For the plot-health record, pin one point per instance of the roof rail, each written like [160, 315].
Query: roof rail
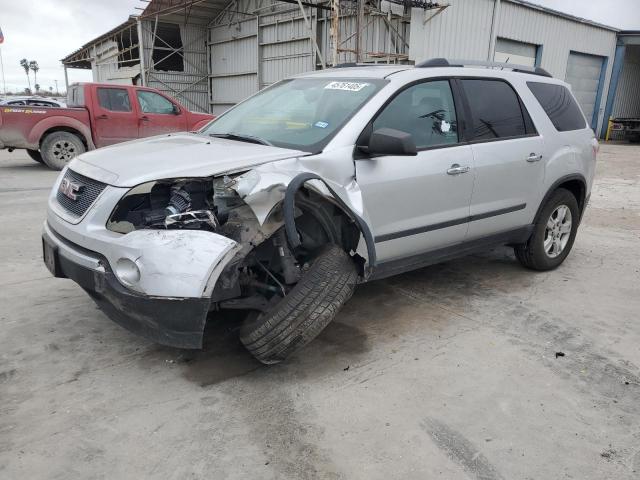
[354, 64]
[443, 62]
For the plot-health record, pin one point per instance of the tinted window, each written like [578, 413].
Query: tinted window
[151, 102]
[114, 99]
[559, 105]
[495, 109]
[426, 111]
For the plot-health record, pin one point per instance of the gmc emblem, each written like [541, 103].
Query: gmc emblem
[70, 189]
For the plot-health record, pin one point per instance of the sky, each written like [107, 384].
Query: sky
[47, 30]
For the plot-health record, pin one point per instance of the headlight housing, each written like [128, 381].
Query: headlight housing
[184, 203]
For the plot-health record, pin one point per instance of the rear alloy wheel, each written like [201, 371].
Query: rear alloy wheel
[554, 233]
[35, 155]
[59, 148]
[326, 283]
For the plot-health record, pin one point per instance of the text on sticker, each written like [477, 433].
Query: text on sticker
[349, 86]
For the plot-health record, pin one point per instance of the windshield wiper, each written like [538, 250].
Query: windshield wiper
[241, 137]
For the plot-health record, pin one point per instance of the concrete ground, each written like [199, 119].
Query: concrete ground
[447, 372]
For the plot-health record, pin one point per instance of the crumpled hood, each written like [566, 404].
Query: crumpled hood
[174, 156]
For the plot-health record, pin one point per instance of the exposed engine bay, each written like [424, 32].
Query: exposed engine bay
[176, 204]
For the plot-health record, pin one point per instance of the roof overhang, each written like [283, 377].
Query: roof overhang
[82, 57]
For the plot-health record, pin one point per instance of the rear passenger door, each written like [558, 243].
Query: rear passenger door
[418, 203]
[114, 118]
[508, 157]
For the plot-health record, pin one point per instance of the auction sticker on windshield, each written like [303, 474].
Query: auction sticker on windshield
[349, 86]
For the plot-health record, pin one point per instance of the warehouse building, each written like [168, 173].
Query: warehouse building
[210, 54]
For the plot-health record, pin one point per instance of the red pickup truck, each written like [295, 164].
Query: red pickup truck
[97, 115]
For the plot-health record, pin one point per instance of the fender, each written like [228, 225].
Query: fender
[288, 210]
[36, 133]
[200, 124]
[554, 186]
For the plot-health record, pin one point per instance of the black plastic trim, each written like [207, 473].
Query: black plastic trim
[395, 267]
[554, 186]
[175, 322]
[451, 223]
[289, 208]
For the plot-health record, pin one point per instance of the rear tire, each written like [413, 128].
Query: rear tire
[35, 155]
[59, 148]
[305, 311]
[553, 235]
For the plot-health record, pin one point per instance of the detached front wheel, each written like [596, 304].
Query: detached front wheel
[325, 285]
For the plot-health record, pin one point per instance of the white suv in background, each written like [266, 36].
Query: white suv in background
[280, 206]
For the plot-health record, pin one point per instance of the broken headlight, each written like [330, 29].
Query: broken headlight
[170, 204]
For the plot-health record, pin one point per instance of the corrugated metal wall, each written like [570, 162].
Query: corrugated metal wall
[627, 102]
[190, 86]
[463, 30]
[251, 51]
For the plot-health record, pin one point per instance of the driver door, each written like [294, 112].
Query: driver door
[419, 203]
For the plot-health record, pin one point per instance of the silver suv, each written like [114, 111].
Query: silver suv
[283, 204]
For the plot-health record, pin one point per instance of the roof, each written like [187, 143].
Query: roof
[74, 56]
[204, 10]
[557, 13]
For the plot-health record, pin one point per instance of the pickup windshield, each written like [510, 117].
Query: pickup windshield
[303, 113]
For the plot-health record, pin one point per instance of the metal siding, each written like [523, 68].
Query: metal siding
[627, 102]
[190, 86]
[461, 31]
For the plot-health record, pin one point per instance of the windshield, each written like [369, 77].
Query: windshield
[302, 113]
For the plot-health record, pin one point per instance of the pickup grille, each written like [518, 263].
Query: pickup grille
[85, 189]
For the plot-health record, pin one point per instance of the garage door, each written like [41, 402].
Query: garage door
[510, 51]
[583, 74]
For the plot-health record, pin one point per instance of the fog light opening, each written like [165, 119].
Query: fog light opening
[127, 271]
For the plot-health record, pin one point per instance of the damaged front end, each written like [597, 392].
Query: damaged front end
[181, 248]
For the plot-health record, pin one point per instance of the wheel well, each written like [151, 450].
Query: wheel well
[576, 187]
[64, 129]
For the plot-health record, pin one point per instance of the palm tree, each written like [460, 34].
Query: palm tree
[37, 87]
[33, 65]
[24, 63]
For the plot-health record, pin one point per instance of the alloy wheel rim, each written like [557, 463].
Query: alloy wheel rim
[557, 231]
[64, 150]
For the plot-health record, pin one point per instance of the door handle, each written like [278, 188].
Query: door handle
[456, 169]
[534, 158]
[102, 117]
[144, 118]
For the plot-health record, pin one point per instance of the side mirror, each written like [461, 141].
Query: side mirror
[176, 110]
[388, 141]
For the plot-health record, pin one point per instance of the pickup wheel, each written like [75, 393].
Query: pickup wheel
[293, 321]
[553, 235]
[59, 148]
[35, 155]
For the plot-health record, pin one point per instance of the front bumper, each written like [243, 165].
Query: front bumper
[176, 322]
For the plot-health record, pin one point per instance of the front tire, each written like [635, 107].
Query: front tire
[553, 235]
[59, 148]
[305, 311]
[35, 155]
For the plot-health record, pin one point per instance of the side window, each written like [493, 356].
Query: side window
[495, 110]
[151, 102]
[114, 99]
[426, 111]
[557, 102]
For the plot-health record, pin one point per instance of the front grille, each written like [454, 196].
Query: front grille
[89, 190]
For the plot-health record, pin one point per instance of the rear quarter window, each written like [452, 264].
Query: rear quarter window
[559, 105]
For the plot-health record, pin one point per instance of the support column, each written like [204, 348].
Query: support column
[66, 79]
[143, 74]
